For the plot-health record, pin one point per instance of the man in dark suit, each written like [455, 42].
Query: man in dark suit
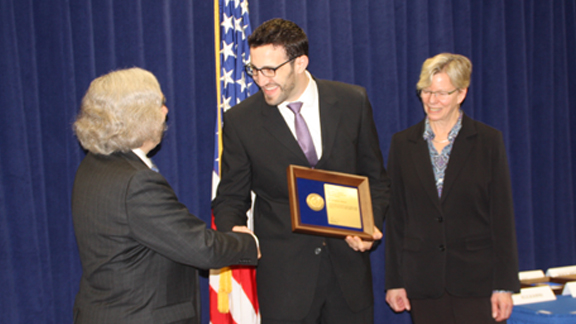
[138, 245]
[301, 278]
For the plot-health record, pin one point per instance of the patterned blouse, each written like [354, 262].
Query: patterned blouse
[440, 161]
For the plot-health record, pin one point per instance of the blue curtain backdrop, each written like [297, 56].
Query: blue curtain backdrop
[523, 83]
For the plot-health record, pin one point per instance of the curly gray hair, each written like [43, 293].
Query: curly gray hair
[120, 111]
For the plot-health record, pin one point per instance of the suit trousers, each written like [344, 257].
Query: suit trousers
[329, 305]
[450, 309]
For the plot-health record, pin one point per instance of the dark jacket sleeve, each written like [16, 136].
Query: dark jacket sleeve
[503, 228]
[371, 164]
[233, 199]
[158, 221]
[395, 221]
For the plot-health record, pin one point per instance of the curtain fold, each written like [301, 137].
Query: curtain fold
[523, 83]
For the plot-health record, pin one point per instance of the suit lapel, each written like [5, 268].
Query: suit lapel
[276, 126]
[330, 115]
[463, 145]
[421, 159]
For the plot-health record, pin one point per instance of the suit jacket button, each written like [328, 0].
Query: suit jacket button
[440, 219]
[441, 248]
[317, 251]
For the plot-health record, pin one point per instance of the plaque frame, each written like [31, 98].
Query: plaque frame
[295, 172]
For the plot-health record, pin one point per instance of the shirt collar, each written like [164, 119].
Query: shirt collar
[143, 157]
[307, 96]
[429, 133]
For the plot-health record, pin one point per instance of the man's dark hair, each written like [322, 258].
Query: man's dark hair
[280, 32]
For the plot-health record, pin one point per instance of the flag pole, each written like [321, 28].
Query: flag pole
[218, 68]
[225, 286]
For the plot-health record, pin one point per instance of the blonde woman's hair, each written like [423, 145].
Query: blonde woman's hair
[458, 68]
[120, 111]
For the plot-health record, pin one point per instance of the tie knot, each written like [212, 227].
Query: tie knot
[295, 106]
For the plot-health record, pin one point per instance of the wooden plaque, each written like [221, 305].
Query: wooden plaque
[328, 203]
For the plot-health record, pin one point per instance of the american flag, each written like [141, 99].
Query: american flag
[233, 298]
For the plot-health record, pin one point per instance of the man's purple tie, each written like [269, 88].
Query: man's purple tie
[303, 134]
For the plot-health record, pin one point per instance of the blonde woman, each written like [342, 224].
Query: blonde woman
[451, 253]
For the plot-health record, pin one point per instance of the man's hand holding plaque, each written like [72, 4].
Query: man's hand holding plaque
[357, 244]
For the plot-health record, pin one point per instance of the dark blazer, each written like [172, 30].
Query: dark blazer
[464, 242]
[258, 147]
[140, 247]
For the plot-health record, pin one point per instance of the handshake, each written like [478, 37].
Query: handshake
[244, 229]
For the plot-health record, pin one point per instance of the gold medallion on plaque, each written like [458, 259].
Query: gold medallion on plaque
[315, 202]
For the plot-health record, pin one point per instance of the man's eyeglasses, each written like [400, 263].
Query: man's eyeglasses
[268, 72]
[441, 95]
